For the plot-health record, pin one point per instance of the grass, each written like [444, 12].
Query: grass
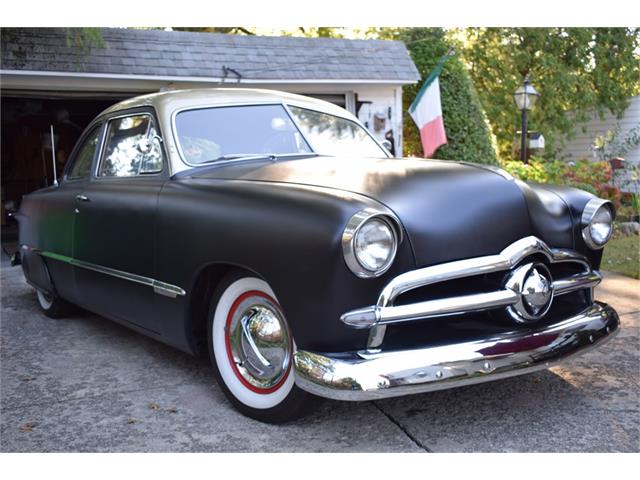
[622, 255]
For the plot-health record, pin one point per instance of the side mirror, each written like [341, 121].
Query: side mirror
[387, 144]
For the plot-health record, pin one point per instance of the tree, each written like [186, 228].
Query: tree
[468, 134]
[84, 39]
[576, 70]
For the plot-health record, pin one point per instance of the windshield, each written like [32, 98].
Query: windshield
[218, 133]
[331, 135]
[222, 133]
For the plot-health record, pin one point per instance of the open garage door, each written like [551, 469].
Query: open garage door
[26, 141]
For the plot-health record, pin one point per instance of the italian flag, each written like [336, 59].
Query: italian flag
[426, 111]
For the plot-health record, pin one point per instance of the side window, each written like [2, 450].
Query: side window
[132, 148]
[82, 163]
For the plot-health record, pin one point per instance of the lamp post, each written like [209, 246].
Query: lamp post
[525, 97]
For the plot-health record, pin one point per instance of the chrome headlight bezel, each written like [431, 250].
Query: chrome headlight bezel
[350, 234]
[591, 210]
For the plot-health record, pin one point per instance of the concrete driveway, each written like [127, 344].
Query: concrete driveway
[87, 384]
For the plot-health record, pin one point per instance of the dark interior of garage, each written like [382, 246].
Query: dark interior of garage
[26, 141]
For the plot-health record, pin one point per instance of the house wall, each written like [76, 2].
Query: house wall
[579, 147]
[386, 101]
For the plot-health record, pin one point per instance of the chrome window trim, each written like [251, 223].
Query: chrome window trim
[292, 118]
[589, 211]
[351, 230]
[159, 287]
[142, 113]
[383, 313]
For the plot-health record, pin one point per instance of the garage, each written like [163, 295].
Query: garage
[48, 83]
[27, 160]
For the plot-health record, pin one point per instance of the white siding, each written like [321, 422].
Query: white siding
[386, 99]
[580, 146]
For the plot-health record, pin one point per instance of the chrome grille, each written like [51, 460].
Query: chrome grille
[577, 276]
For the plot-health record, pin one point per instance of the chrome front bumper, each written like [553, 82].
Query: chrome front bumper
[369, 375]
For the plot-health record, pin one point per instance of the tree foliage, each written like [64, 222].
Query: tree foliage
[576, 70]
[468, 135]
[84, 39]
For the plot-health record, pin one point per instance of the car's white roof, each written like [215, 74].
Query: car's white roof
[167, 102]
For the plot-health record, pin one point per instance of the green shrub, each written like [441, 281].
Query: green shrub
[468, 135]
[630, 208]
[594, 177]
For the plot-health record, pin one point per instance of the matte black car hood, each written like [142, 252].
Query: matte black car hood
[450, 210]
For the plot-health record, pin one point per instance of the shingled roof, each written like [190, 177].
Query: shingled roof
[188, 54]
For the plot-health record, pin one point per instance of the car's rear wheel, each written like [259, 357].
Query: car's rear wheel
[251, 349]
[52, 305]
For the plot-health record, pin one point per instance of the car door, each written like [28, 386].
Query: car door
[114, 235]
[50, 217]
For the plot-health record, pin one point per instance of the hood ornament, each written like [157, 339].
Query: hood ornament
[533, 282]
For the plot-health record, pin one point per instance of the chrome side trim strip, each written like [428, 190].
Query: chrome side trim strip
[167, 289]
[366, 375]
[159, 287]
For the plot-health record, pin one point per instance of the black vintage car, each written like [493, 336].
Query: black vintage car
[273, 231]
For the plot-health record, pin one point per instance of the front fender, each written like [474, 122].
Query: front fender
[555, 212]
[288, 234]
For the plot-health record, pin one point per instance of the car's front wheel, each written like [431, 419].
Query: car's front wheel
[251, 349]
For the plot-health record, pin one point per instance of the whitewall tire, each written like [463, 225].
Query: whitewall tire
[52, 305]
[251, 349]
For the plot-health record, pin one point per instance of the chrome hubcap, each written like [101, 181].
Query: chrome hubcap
[534, 284]
[259, 342]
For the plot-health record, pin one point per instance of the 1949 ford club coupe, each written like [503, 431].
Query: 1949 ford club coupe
[274, 232]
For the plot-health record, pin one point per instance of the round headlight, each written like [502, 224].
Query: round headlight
[369, 243]
[597, 223]
[374, 245]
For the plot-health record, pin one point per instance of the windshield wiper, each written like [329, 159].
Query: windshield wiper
[241, 157]
[244, 156]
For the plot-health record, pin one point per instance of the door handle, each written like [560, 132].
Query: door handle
[82, 198]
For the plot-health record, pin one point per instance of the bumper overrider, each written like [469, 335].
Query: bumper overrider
[375, 373]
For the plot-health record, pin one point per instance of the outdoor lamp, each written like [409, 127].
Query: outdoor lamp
[525, 97]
